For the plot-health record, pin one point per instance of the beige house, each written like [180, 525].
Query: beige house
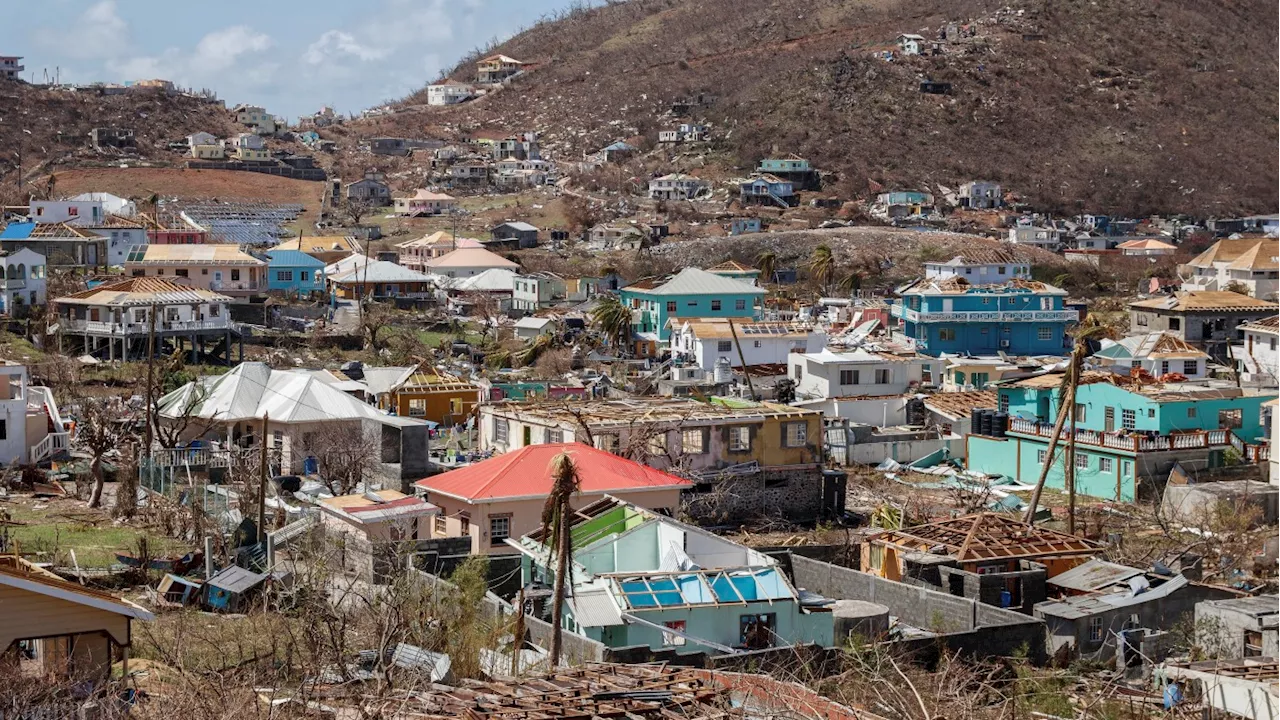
[503, 496]
[415, 253]
[60, 629]
[378, 516]
[424, 202]
[1244, 264]
[220, 268]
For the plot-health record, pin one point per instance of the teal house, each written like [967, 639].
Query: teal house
[294, 271]
[1127, 433]
[952, 315]
[793, 169]
[640, 578]
[691, 293]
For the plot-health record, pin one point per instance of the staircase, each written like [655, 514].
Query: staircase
[52, 444]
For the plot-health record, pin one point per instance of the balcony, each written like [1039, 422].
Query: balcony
[117, 329]
[237, 286]
[1142, 443]
[1002, 316]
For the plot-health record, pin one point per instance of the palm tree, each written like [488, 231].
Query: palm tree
[851, 282]
[613, 319]
[823, 266]
[555, 522]
[767, 261]
[1090, 329]
[540, 345]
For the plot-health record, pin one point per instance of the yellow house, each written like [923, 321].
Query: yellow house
[497, 68]
[328, 249]
[61, 629]
[443, 399]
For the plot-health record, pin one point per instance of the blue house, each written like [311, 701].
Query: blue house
[1127, 432]
[793, 168]
[294, 271]
[692, 292]
[766, 189]
[1019, 317]
[744, 225]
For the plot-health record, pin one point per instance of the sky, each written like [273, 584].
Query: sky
[290, 57]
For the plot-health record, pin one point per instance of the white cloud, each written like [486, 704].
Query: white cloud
[221, 49]
[99, 32]
[334, 43]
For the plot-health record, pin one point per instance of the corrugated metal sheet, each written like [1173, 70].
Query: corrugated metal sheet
[595, 609]
[1094, 575]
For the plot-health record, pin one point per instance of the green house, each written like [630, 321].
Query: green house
[691, 293]
[640, 578]
[1127, 432]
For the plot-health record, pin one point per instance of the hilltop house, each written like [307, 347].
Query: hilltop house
[1046, 237]
[859, 373]
[1249, 264]
[436, 397]
[904, 204]
[690, 293]
[465, 262]
[685, 132]
[372, 189]
[706, 342]
[1157, 354]
[205, 146]
[981, 195]
[909, 44]
[220, 268]
[497, 68]
[424, 202]
[10, 68]
[792, 168]
[1257, 360]
[61, 244]
[980, 268]
[117, 315]
[502, 497]
[327, 249]
[262, 122]
[616, 151]
[248, 147]
[678, 186]
[1018, 317]
[23, 283]
[293, 271]
[449, 92]
[1207, 319]
[1129, 432]
[644, 579]
[766, 189]
[537, 290]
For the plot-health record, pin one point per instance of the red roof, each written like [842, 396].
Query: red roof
[527, 473]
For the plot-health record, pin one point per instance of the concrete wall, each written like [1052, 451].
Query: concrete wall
[800, 494]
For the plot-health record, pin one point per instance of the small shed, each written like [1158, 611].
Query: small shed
[178, 590]
[528, 328]
[516, 234]
[232, 588]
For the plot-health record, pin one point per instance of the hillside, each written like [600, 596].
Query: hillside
[1102, 105]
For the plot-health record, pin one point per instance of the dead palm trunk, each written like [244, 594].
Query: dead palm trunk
[555, 519]
[1048, 463]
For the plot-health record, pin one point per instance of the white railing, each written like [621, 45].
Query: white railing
[902, 311]
[138, 328]
[52, 444]
[236, 285]
[1142, 443]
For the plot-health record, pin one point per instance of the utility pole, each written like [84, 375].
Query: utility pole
[262, 495]
[751, 388]
[151, 363]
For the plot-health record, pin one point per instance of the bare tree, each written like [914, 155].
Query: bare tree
[375, 318]
[356, 209]
[105, 425]
[346, 455]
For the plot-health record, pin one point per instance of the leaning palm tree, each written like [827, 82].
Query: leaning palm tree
[540, 345]
[613, 319]
[1090, 329]
[555, 523]
[767, 261]
[822, 267]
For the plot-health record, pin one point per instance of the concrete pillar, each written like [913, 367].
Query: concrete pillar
[194, 358]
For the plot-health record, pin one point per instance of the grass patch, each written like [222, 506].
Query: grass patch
[56, 527]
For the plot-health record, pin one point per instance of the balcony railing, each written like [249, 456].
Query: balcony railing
[902, 311]
[52, 444]
[1142, 443]
[236, 285]
[138, 328]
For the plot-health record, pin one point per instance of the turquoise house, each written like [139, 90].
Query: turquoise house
[640, 578]
[691, 293]
[294, 271]
[1127, 434]
[951, 315]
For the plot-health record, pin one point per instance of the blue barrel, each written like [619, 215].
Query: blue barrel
[1006, 598]
[311, 466]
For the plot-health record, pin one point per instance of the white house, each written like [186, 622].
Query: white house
[1157, 353]
[528, 328]
[1249, 262]
[909, 44]
[677, 186]
[31, 428]
[828, 374]
[111, 204]
[125, 234]
[981, 195]
[1043, 237]
[704, 341]
[537, 290]
[24, 280]
[980, 269]
[1257, 360]
[449, 92]
[73, 212]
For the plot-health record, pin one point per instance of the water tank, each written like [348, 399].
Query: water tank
[724, 370]
[985, 423]
[862, 619]
[1000, 424]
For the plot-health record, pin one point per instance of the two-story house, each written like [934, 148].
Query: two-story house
[253, 116]
[248, 147]
[684, 132]
[859, 373]
[904, 204]
[176, 229]
[1157, 354]
[416, 252]
[1128, 432]
[24, 281]
[537, 290]
[205, 146]
[1019, 317]
[1208, 319]
[981, 195]
[1046, 237]
[793, 168]
[295, 272]
[1246, 265]
[75, 212]
[424, 202]
[707, 341]
[1257, 360]
[449, 92]
[678, 186]
[980, 268]
[497, 68]
[691, 293]
[220, 268]
[10, 67]
[766, 189]
[372, 189]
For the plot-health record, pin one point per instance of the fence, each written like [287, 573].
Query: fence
[1143, 443]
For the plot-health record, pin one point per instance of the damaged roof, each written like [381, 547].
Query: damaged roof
[986, 536]
[960, 404]
[1205, 300]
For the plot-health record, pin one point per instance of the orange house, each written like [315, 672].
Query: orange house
[443, 399]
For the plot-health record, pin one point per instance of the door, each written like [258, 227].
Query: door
[1042, 411]
[217, 280]
[1109, 420]
[947, 305]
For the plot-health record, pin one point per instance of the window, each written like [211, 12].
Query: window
[848, 377]
[607, 442]
[795, 434]
[1135, 364]
[417, 407]
[1082, 461]
[171, 314]
[658, 444]
[946, 334]
[500, 430]
[1044, 333]
[1151, 412]
[757, 631]
[693, 441]
[1142, 320]
[1095, 629]
[1191, 411]
[671, 306]
[1174, 323]
[465, 519]
[215, 310]
[455, 406]
[499, 529]
[724, 346]
[284, 275]
[441, 524]
[740, 439]
[1164, 367]
[884, 376]
[1128, 419]
[304, 275]
[877, 557]
[235, 274]
[1190, 367]
[4, 429]
[1252, 643]
[1106, 464]
[1041, 456]
[1081, 412]
[1230, 419]
[555, 436]
[799, 372]
[672, 639]
[1003, 403]
[739, 304]
[756, 343]
[692, 303]
[715, 305]
[1000, 270]
[181, 272]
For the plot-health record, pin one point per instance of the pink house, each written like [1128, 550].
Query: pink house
[424, 202]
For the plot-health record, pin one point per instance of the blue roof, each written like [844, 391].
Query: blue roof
[17, 231]
[292, 258]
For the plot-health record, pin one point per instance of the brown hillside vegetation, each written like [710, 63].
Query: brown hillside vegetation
[1118, 106]
[179, 182]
